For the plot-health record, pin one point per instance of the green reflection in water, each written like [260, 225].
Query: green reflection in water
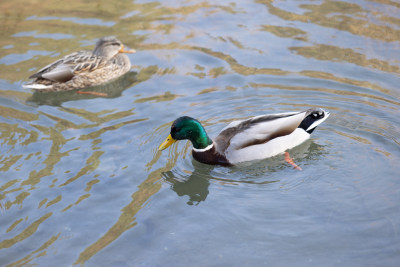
[41, 251]
[167, 96]
[9, 161]
[54, 201]
[286, 32]
[27, 232]
[81, 198]
[96, 134]
[127, 219]
[332, 77]
[334, 92]
[8, 112]
[12, 226]
[334, 53]
[342, 16]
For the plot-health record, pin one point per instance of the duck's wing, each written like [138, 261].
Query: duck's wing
[59, 62]
[65, 68]
[258, 130]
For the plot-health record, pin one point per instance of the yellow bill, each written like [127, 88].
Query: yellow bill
[169, 141]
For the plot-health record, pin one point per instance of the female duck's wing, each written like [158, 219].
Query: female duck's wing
[64, 69]
[258, 130]
[62, 73]
[59, 62]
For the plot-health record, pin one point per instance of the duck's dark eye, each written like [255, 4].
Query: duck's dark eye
[114, 44]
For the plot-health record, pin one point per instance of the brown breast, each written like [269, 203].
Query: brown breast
[211, 157]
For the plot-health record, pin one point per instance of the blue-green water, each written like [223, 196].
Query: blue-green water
[82, 182]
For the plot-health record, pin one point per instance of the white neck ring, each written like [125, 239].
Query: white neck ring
[203, 149]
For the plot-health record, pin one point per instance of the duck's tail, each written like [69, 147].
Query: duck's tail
[37, 86]
[314, 117]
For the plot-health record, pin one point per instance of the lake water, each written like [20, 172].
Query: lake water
[82, 182]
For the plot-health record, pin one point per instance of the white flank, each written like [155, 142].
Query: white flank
[264, 129]
[272, 148]
[37, 86]
[204, 149]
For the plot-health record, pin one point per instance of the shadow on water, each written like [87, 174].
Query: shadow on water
[112, 89]
[195, 186]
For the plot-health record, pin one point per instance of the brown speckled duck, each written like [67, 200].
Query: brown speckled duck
[83, 68]
[252, 139]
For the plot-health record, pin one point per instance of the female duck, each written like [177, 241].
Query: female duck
[84, 68]
[252, 139]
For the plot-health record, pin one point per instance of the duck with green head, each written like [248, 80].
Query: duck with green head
[252, 139]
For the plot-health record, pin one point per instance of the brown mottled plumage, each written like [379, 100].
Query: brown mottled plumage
[83, 68]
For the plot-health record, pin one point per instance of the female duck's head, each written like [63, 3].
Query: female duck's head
[187, 128]
[110, 46]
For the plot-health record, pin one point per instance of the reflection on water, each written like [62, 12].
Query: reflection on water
[194, 184]
[112, 89]
[82, 182]
[146, 189]
[344, 16]
[195, 187]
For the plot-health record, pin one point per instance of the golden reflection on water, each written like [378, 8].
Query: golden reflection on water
[127, 219]
[8, 112]
[167, 96]
[27, 232]
[41, 251]
[286, 32]
[342, 16]
[334, 93]
[331, 77]
[333, 53]
[320, 52]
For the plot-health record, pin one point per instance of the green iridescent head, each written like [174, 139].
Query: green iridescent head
[187, 128]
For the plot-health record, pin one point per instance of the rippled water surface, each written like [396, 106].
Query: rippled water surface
[82, 182]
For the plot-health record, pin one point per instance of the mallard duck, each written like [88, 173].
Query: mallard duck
[83, 68]
[252, 139]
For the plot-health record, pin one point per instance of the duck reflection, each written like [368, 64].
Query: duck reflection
[195, 186]
[112, 89]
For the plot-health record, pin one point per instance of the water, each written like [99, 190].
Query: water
[82, 182]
